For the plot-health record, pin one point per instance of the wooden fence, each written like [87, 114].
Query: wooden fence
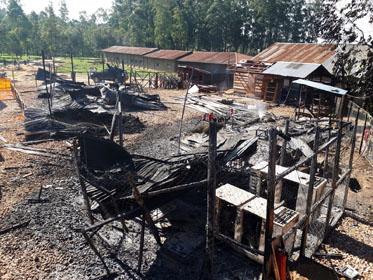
[365, 130]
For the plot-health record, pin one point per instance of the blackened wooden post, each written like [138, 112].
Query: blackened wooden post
[334, 177]
[362, 133]
[270, 215]
[120, 120]
[103, 62]
[326, 157]
[46, 85]
[141, 249]
[73, 76]
[211, 192]
[310, 191]
[278, 190]
[87, 204]
[351, 159]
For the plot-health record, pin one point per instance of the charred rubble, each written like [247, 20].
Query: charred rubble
[245, 193]
[70, 108]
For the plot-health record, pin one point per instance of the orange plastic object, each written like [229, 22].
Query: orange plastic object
[281, 259]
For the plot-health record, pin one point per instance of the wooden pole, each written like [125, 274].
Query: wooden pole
[46, 85]
[334, 177]
[278, 190]
[82, 183]
[271, 182]
[362, 133]
[142, 239]
[103, 63]
[73, 77]
[183, 112]
[310, 191]
[120, 120]
[326, 155]
[211, 193]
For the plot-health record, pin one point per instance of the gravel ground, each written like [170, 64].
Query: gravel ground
[354, 241]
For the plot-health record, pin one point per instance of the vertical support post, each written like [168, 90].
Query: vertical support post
[120, 120]
[278, 190]
[326, 157]
[46, 85]
[270, 215]
[310, 191]
[141, 249]
[351, 160]
[334, 177]
[183, 112]
[211, 193]
[362, 133]
[73, 75]
[82, 183]
[103, 62]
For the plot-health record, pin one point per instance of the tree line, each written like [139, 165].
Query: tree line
[213, 25]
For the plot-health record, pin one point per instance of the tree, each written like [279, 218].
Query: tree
[354, 63]
[17, 27]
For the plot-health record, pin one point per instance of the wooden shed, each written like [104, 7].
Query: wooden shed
[131, 56]
[270, 73]
[216, 64]
[164, 60]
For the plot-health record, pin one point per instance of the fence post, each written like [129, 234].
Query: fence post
[334, 176]
[271, 183]
[211, 193]
[362, 133]
[310, 191]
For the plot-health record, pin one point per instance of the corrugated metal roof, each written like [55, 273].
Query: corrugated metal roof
[129, 50]
[168, 54]
[297, 52]
[215, 57]
[321, 86]
[291, 69]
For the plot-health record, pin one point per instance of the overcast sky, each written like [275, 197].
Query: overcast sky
[74, 6]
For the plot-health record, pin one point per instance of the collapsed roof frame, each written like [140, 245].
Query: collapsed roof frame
[273, 178]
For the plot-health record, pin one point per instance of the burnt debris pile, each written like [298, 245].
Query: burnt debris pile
[70, 108]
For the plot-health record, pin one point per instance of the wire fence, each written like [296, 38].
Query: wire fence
[364, 132]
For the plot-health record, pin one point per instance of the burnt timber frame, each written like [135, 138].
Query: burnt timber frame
[272, 180]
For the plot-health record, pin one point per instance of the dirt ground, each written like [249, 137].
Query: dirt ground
[49, 247]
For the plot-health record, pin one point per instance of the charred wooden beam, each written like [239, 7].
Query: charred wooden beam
[271, 184]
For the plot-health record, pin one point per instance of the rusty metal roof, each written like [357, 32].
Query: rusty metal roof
[215, 57]
[129, 50]
[168, 54]
[297, 52]
[292, 69]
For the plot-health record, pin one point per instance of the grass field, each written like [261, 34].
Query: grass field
[63, 64]
[81, 64]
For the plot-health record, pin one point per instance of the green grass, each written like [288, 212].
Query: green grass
[81, 64]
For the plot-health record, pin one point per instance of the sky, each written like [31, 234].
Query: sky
[74, 6]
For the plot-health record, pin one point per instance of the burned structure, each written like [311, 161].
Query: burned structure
[256, 182]
[267, 187]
